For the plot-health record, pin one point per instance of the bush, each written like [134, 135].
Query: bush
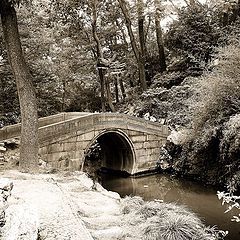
[211, 152]
[157, 220]
[219, 93]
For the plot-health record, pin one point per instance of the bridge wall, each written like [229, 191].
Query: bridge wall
[66, 145]
[65, 139]
[14, 130]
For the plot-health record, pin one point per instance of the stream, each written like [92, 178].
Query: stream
[200, 199]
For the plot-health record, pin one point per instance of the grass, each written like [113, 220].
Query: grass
[154, 220]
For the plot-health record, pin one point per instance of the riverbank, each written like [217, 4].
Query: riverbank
[71, 206]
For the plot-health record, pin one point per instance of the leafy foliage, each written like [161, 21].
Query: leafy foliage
[232, 201]
[212, 146]
[194, 35]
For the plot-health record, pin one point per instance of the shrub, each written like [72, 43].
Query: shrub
[166, 221]
[211, 150]
[219, 93]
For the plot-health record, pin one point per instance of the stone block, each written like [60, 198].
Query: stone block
[70, 139]
[164, 141]
[140, 138]
[141, 152]
[155, 157]
[166, 130]
[79, 154]
[75, 164]
[82, 145]
[151, 144]
[54, 157]
[134, 133]
[69, 146]
[147, 165]
[85, 136]
[151, 137]
[138, 145]
[43, 150]
[153, 151]
[142, 159]
[55, 148]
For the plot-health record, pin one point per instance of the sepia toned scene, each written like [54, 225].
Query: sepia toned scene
[120, 120]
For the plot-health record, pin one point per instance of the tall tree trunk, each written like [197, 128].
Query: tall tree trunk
[109, 96]
[142, 52]
[122, 31]
[137, 54]
[99, 53]
[102, 86]
[63, 95]
[162, 59]
[116, 89]
[147, 32]
[26, 93]
[122, 88]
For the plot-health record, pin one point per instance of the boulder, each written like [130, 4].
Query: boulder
[6, 184]
[21, 223]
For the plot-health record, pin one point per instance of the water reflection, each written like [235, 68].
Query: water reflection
[201, 200]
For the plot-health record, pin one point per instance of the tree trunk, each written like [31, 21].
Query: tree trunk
[162, 59]
[109, 97]
[122, 31]
[122, 88]
[142, 55]
[116, 89]
[99, 53]
[102, 86]
[137, 54]
[63, 95]
[26, 93]
[124, 9]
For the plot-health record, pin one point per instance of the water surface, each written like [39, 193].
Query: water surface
[200, 199]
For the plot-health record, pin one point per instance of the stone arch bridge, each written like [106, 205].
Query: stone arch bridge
[127, 143]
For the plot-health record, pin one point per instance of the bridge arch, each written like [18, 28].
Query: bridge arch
[116, 149]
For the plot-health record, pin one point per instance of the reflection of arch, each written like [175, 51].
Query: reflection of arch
[117, 150]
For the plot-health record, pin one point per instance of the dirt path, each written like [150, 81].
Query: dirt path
[63, 202]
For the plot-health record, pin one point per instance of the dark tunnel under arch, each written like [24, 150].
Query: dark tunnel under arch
[117, 152]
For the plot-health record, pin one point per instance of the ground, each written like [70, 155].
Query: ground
[63, 201]
[69, 205]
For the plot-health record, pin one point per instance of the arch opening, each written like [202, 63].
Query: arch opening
[110, 151]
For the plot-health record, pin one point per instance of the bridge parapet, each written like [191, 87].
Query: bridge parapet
[132, 144]
[98, 121]
[14, 130]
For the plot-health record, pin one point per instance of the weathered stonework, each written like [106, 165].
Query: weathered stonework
[128, 143]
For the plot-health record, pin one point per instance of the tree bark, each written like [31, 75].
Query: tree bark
[162, 59]
[142, 52]
[26, 93]
[124, 9]
[122, 89]
[137, 53]
[116, 89]
[122, 31]
[99, 53]
[109, 97]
